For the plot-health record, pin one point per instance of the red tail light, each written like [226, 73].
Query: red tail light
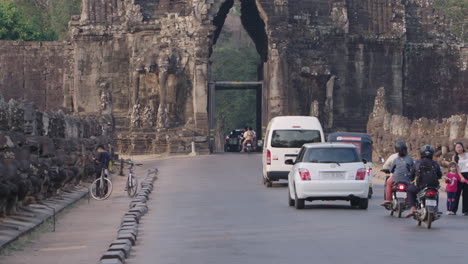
[361, 174]
[268, 157]
[401, 187]
[227, 138]
[431, 193]
[304, 174]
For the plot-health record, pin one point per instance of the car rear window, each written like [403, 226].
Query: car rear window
[331, 155]
[294, 138]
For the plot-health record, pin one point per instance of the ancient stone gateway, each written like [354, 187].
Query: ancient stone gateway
[145, 64]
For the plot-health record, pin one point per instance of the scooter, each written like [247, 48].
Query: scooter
[427, 207]
[248, 146]
[399, 197]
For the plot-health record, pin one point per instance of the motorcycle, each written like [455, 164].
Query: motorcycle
[399, 198]
[248, 146]
[426, 207]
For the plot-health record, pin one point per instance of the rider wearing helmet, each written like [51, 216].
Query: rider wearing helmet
[425, 173]
[400, 168]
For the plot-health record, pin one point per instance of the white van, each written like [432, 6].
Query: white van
[284, 137]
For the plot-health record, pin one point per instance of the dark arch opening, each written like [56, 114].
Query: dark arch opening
[238, 52]
[251, 21]
[255, 27]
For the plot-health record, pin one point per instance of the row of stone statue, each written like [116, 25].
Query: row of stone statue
[43, 153]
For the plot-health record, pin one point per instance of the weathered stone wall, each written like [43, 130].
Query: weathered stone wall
[39, 72]
[41, 153]
[386, 128]
[144, 64]
[336, 53]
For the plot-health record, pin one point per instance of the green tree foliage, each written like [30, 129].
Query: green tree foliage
[14, 25]
[38, 20]
[235, 109]
[457, 11]
[234, 60]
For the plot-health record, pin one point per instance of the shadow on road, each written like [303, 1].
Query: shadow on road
[330, 207]
[279, 185]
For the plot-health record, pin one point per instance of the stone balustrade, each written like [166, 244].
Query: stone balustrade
[386, 128]
[41, 153]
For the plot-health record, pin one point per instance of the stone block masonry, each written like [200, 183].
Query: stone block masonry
[38, 72]
[144, 65]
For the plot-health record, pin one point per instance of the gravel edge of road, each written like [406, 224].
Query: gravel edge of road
[38, 214]
[120, 248]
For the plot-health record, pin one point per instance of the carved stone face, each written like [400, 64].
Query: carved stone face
[29, 119]
[16, 119]
[4, 115]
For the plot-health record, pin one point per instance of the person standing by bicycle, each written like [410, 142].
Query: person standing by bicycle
[101, 161]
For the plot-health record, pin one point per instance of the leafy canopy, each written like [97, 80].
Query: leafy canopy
[15, 26]
[36, 20]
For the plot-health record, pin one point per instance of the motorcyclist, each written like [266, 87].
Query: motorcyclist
[400, 169]
[422, 177]
[248, 136]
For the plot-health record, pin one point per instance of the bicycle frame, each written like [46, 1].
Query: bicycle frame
[130, 175]
[101, 186]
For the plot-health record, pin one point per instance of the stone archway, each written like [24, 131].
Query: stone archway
[248, 31]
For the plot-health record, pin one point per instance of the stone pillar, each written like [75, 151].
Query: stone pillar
[200, 94]
[84, 11]
[329, 102]
[162, 110]
[278, 83]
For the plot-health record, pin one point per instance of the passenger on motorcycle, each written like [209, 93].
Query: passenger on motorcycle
[248, 137]
[400, 168]
[425, 173]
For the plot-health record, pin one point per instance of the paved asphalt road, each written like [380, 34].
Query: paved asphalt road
[214, 209]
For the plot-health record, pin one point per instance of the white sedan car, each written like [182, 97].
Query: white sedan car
[328, 171]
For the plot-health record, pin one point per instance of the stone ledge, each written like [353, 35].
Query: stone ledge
[19, 225]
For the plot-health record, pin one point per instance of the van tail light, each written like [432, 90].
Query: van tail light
[268, 157]
[304, 174]
[431, 194]
[361, 174]
[401, 187]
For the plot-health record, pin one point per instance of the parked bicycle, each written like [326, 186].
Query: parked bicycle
[132, 182]
[101, 188]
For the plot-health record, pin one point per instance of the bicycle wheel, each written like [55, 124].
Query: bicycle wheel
[132, 186]
[101, 189]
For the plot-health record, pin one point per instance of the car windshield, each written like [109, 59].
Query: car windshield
[331, 155]
[294, 138]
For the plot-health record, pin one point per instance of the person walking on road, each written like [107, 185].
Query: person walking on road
[452, 179]
[461, 158]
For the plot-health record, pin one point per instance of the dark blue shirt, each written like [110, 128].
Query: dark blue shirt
[103, 159]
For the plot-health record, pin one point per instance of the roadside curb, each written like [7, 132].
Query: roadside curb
[119, 249]
[34, 215]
